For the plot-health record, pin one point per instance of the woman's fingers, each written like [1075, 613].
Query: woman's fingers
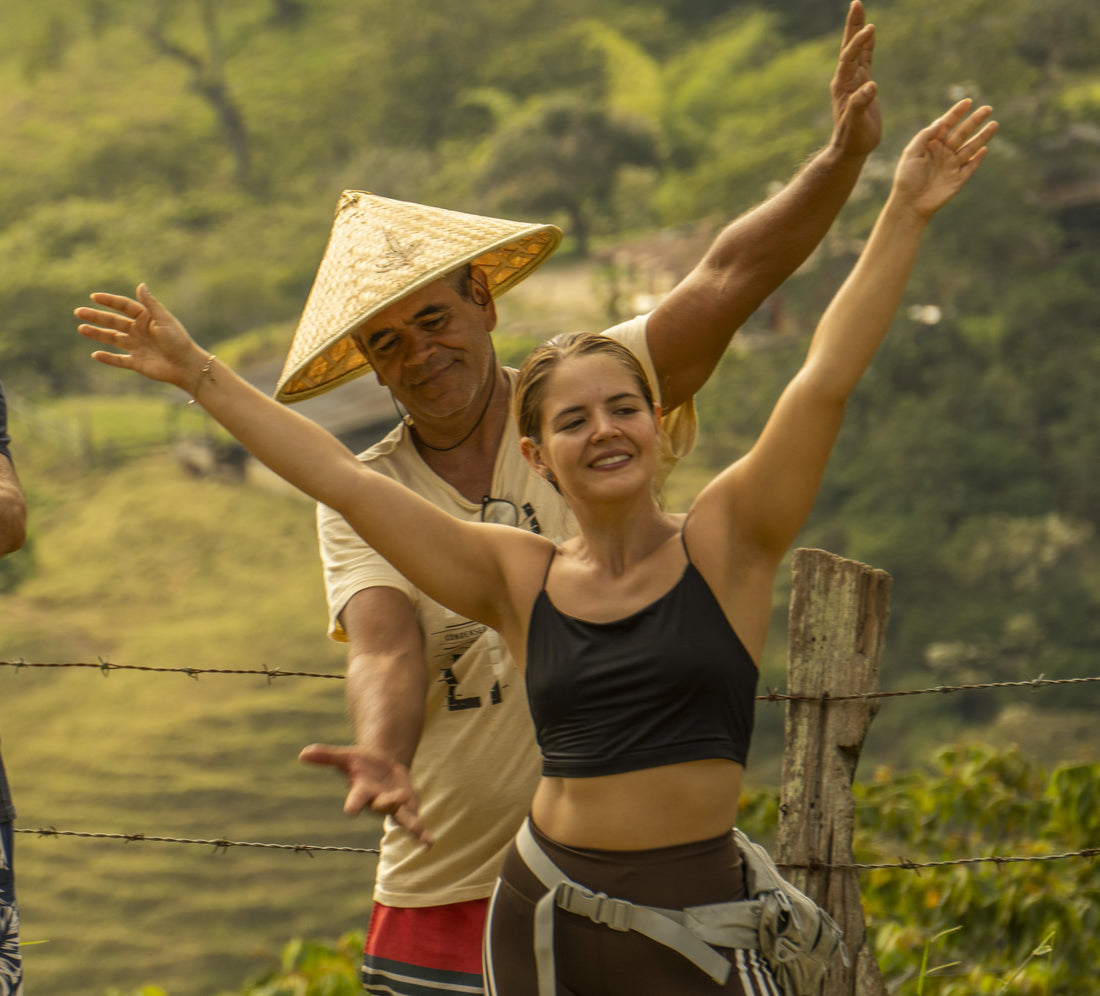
[112, 359]
[977, 144]
[118, 302]
[966, 127]
[104, 319]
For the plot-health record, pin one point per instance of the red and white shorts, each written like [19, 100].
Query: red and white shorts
[421, 951]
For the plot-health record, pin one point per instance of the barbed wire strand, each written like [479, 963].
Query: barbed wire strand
[1040, 682]
[106, 667]
[222, 845]
[218, 844]
[770, 696]
[906, 864]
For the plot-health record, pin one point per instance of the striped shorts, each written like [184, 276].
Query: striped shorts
[425, 951]
[594, 960]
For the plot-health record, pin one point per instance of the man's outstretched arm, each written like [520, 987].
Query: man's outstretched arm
[386, 688]
[690, 330]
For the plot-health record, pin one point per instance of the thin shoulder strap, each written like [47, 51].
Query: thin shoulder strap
[683, 538]
[549, 564]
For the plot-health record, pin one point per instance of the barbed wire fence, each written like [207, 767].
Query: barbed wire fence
[222, 845]
[106, 667]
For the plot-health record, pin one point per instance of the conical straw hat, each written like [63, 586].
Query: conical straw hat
[379, 251]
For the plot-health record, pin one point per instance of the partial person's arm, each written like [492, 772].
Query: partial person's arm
[690, 330]
[13, 509]
[769, 493]
[387, 684]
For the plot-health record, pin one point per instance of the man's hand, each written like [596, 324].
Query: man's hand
[373, 783]
[857, 120]
[942, 157]
[153, 341]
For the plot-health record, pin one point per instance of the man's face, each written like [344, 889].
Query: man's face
[432, 349]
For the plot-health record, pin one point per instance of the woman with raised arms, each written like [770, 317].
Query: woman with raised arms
[640, 636]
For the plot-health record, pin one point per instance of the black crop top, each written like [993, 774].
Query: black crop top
[670, 683]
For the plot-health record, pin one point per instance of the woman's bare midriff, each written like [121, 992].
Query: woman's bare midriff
[638, 810]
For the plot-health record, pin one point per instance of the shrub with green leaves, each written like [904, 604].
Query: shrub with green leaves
[1024, 928]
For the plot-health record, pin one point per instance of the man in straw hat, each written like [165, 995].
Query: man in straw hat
[410, 292]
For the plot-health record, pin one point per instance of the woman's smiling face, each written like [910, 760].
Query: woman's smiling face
[598, 431]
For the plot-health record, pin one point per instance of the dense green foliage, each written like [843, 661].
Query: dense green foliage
[202, 145]
[980, 803]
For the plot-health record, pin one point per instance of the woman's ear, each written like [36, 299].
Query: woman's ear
[657, 416]
[533, 455]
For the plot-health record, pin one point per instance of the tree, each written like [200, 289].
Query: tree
[208, 78]
[561, 154]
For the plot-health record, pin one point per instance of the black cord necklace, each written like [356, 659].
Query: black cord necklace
[443, 449]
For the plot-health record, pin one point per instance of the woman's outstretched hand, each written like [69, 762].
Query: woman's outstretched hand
[942, 157]
[151, 339]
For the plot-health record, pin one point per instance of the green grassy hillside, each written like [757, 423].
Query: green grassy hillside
[142, 565]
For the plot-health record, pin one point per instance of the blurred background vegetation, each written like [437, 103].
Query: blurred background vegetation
[202, 145]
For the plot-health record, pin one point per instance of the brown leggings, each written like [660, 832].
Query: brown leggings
[594, 960]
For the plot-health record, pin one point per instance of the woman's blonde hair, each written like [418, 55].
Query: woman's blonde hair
[537, 368]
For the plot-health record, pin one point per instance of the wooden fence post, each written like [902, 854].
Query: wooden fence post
[838, 618]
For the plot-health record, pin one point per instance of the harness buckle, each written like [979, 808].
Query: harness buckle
[597, 906]
[615, 913]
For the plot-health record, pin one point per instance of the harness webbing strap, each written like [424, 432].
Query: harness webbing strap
[689, 932]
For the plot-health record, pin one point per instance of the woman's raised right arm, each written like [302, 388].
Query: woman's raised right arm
[769, 492]
[459, 564]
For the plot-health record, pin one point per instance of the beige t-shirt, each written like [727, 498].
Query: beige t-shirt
[477, 763]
